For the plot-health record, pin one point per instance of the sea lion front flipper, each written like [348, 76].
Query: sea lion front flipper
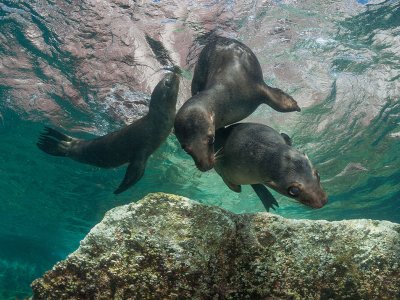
[265, 196]
[278, 99]
[133, 174]
[287, 139]
[234, 187]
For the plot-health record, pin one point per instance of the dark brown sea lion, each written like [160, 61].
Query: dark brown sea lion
[256, 154]
[132, 144]
[227, 86]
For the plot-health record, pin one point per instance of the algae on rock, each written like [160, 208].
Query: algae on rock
[166, 246]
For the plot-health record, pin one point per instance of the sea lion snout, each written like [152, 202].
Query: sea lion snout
[194, 129]
[313, 196]
[204, 167]
[319, 201]
[202, 162]
[171, 79]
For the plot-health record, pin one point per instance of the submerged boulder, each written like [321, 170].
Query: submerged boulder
[170, 247]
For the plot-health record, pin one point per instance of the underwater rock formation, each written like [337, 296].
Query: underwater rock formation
[62, 59]
[166, 246]
[82, 57]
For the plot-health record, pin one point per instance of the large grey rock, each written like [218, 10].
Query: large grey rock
[169, 247]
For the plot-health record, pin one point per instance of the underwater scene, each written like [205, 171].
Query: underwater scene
[88, 68]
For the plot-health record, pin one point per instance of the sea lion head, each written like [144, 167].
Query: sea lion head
[295, 177]
[166, 89]
[194, 129]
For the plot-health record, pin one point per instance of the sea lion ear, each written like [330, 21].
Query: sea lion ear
[287, 139]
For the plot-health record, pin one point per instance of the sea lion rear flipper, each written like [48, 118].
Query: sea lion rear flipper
[287, 139]
[54, 142]
[265, 196]
[133, 174]
[201, 72]
[234, 187]
[278, 99]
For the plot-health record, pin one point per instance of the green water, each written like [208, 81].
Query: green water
[48, 204]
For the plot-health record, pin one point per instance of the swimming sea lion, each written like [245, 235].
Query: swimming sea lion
[132, 144]
[255, 154]
[227, 86]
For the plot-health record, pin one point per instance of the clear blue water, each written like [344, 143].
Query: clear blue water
[48, 204]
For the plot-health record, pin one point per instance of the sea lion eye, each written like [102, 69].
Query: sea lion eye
[211, 140]
[294, 191]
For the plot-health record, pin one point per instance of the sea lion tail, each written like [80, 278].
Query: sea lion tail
[54, 142]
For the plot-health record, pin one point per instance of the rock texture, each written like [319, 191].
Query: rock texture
[63, 58]
[169, 247]
[67, 60]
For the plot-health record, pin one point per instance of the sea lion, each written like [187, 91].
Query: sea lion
[227, 86]
[256, 154]
[132, 144]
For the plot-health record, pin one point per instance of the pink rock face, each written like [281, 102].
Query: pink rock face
[92, 57]
[94, 53]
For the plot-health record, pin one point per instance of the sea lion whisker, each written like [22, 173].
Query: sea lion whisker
[216, 159]
[218, 151]
[218, 155]
[173, 68]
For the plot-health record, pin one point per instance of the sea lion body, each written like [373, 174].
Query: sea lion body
[132, 144]
[255, 154]
[227, 87]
